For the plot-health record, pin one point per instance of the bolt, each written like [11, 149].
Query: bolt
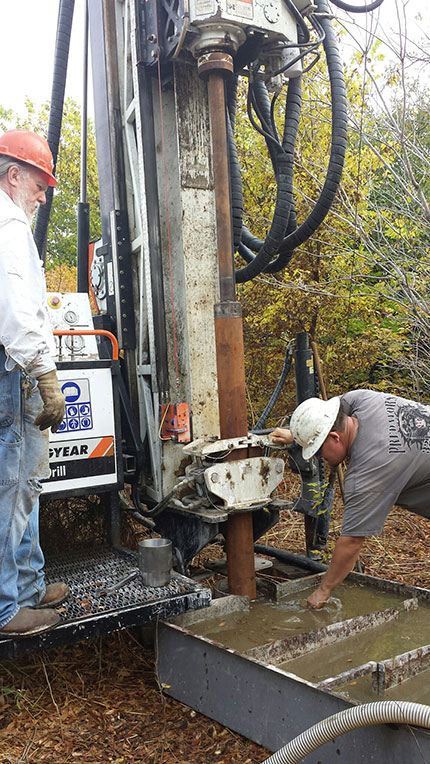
[279, 468]
[214, 477]
[151, 38]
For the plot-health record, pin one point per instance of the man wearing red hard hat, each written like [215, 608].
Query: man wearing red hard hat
[31, 400]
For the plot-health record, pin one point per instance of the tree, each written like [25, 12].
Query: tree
[62, 234]
[323, 290]
[394, 229]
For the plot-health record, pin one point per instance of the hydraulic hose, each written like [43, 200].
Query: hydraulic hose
[357, 8]
[234, 166]
[335, 165]
[284, 201]
[62, 44]
[262, 105]
[337, 150]
[300, 561]
[280, 384]
[292, 117]
[382, 712]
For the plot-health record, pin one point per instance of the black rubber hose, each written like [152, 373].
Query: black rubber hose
[262, 104]
[357, 8]
[279, 225]
[234, 166]
[304, 36]
[231, 97]
[292, 117]
[279, 385]
[338, 145]
[62, 44]
[245, 253]
[335, 166]
[291, 559]
[235, 185]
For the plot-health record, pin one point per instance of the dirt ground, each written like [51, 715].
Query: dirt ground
[99, 701]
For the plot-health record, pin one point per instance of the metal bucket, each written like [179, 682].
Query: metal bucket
[155, 561]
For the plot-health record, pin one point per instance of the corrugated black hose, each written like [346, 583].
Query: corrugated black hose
[292, 117]
[62, 44]
[234, 166]
[337, 150]
[334, 171]
[357, 8]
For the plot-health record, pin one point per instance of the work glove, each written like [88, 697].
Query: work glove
[53, 399]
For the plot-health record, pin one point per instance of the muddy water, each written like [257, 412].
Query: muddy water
[410, 630]
[415, 690]
[267, 621]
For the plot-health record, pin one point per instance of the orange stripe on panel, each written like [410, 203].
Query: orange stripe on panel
[102, 447]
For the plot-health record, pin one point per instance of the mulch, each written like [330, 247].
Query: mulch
[99, 701]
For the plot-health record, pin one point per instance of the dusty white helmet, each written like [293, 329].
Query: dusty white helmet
[312, 421]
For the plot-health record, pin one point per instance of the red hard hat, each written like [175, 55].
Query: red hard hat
[29, 148]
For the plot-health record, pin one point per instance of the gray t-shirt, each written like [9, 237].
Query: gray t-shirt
[389, 460]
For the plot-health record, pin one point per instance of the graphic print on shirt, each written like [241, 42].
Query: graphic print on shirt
[408, 426]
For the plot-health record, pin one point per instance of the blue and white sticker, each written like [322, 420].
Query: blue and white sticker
[78, 413]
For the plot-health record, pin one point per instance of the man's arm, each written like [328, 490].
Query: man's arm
[344, 558]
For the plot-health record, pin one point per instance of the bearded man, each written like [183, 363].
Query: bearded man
[31, 400]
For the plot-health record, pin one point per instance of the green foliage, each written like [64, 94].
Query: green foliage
[62, 232]
[350, 286]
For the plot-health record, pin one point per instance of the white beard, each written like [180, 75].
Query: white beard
[21, 201]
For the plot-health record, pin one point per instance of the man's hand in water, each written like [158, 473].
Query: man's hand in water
[345, 553]
[317, 599]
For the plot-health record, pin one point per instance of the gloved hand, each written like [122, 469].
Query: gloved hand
[53, 402]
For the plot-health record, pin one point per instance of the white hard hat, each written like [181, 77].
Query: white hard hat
[312, 421]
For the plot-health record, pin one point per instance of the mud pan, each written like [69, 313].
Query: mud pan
[270, 706]
[89, 612]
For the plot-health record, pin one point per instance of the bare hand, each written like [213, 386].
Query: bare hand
[281, 435]
[316, 600]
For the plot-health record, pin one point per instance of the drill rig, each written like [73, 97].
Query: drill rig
[159, 402]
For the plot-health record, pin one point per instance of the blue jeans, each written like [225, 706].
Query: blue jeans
[23, 463]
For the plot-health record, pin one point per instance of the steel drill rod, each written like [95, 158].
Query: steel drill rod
[217, 108]
[229, 344]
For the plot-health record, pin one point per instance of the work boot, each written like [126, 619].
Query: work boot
[55, 594]
[27, 623]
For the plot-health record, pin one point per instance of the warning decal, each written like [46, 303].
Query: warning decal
[84, 453]
[78, 412]
[243, 8]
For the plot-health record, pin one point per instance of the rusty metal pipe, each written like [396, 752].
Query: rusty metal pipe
[229, 342]
[217, 110]
[233, 423]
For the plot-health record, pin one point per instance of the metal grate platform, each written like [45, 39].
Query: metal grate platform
[89, 611]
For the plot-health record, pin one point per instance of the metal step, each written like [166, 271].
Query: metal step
[89, 612]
